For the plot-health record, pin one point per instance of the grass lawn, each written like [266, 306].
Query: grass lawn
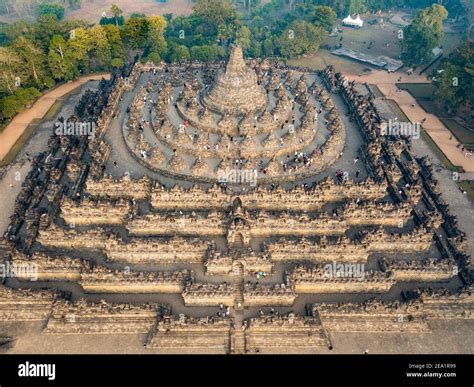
[426, 137]
[19, 144]
[463, 134]
[468, 186]
[375, 89]
[423, 92]
[439, 153]
[53, 110]
[378, 39]
[418, 90]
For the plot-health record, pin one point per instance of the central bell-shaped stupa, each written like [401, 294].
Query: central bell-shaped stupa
[236, 89]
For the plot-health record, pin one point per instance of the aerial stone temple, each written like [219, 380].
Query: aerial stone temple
[239, 207]
[236, 89]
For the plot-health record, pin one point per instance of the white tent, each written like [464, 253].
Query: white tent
[349, 21]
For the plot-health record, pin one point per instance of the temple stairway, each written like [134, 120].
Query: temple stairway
[238, 342]
[238, 272]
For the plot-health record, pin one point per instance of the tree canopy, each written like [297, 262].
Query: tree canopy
[423, 34]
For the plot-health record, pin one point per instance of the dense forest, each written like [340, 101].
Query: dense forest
[35, 55]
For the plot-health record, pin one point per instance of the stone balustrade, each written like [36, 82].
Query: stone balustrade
[156, 224]
[185, 334]
[56, 237]
[103, 280]
[372, 316]
[88, 212]
[25, 304]
[218, 263]
[207, 294]
[85, 317]
[430, 269]
[338, 278]
[41, 267]
[418, 240]
[343, 250]
[285, 334]
[263, 295]
[145, 250]
[125, 187]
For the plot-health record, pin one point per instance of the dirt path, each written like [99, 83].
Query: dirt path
[434, 127]
[20, 122]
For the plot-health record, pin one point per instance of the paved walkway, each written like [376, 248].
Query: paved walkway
[436, 129]
[20, 122]
[13, 175]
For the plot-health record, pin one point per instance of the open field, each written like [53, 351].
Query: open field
[324, 58]
[462, 133]
[380, 39]
[91, 10]
[423, 92]
[418, 90]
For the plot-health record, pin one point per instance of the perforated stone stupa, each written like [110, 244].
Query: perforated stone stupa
[235, 89]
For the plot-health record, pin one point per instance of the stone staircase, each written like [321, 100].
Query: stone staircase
[239, 345]
[238, 272]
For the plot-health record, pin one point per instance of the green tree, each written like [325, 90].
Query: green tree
[244, 37]
[117, 63]
[11, 69]
[215, 13]
[74, 4]
[204, 53]
[154, 57]
[357, 6]
[323, 16]
[136, 32]
[100, 46]
[267, 47]
[300, 37]
[255, 50]
[33, 59]
[455, 80]
[43, 31]
[115, 41]
[116, 12]
[13, 104]
[61, 62]
[422, 35]
[9, 106]
[156, 39]
[179, 52]
[80, 43]
[55, 9]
